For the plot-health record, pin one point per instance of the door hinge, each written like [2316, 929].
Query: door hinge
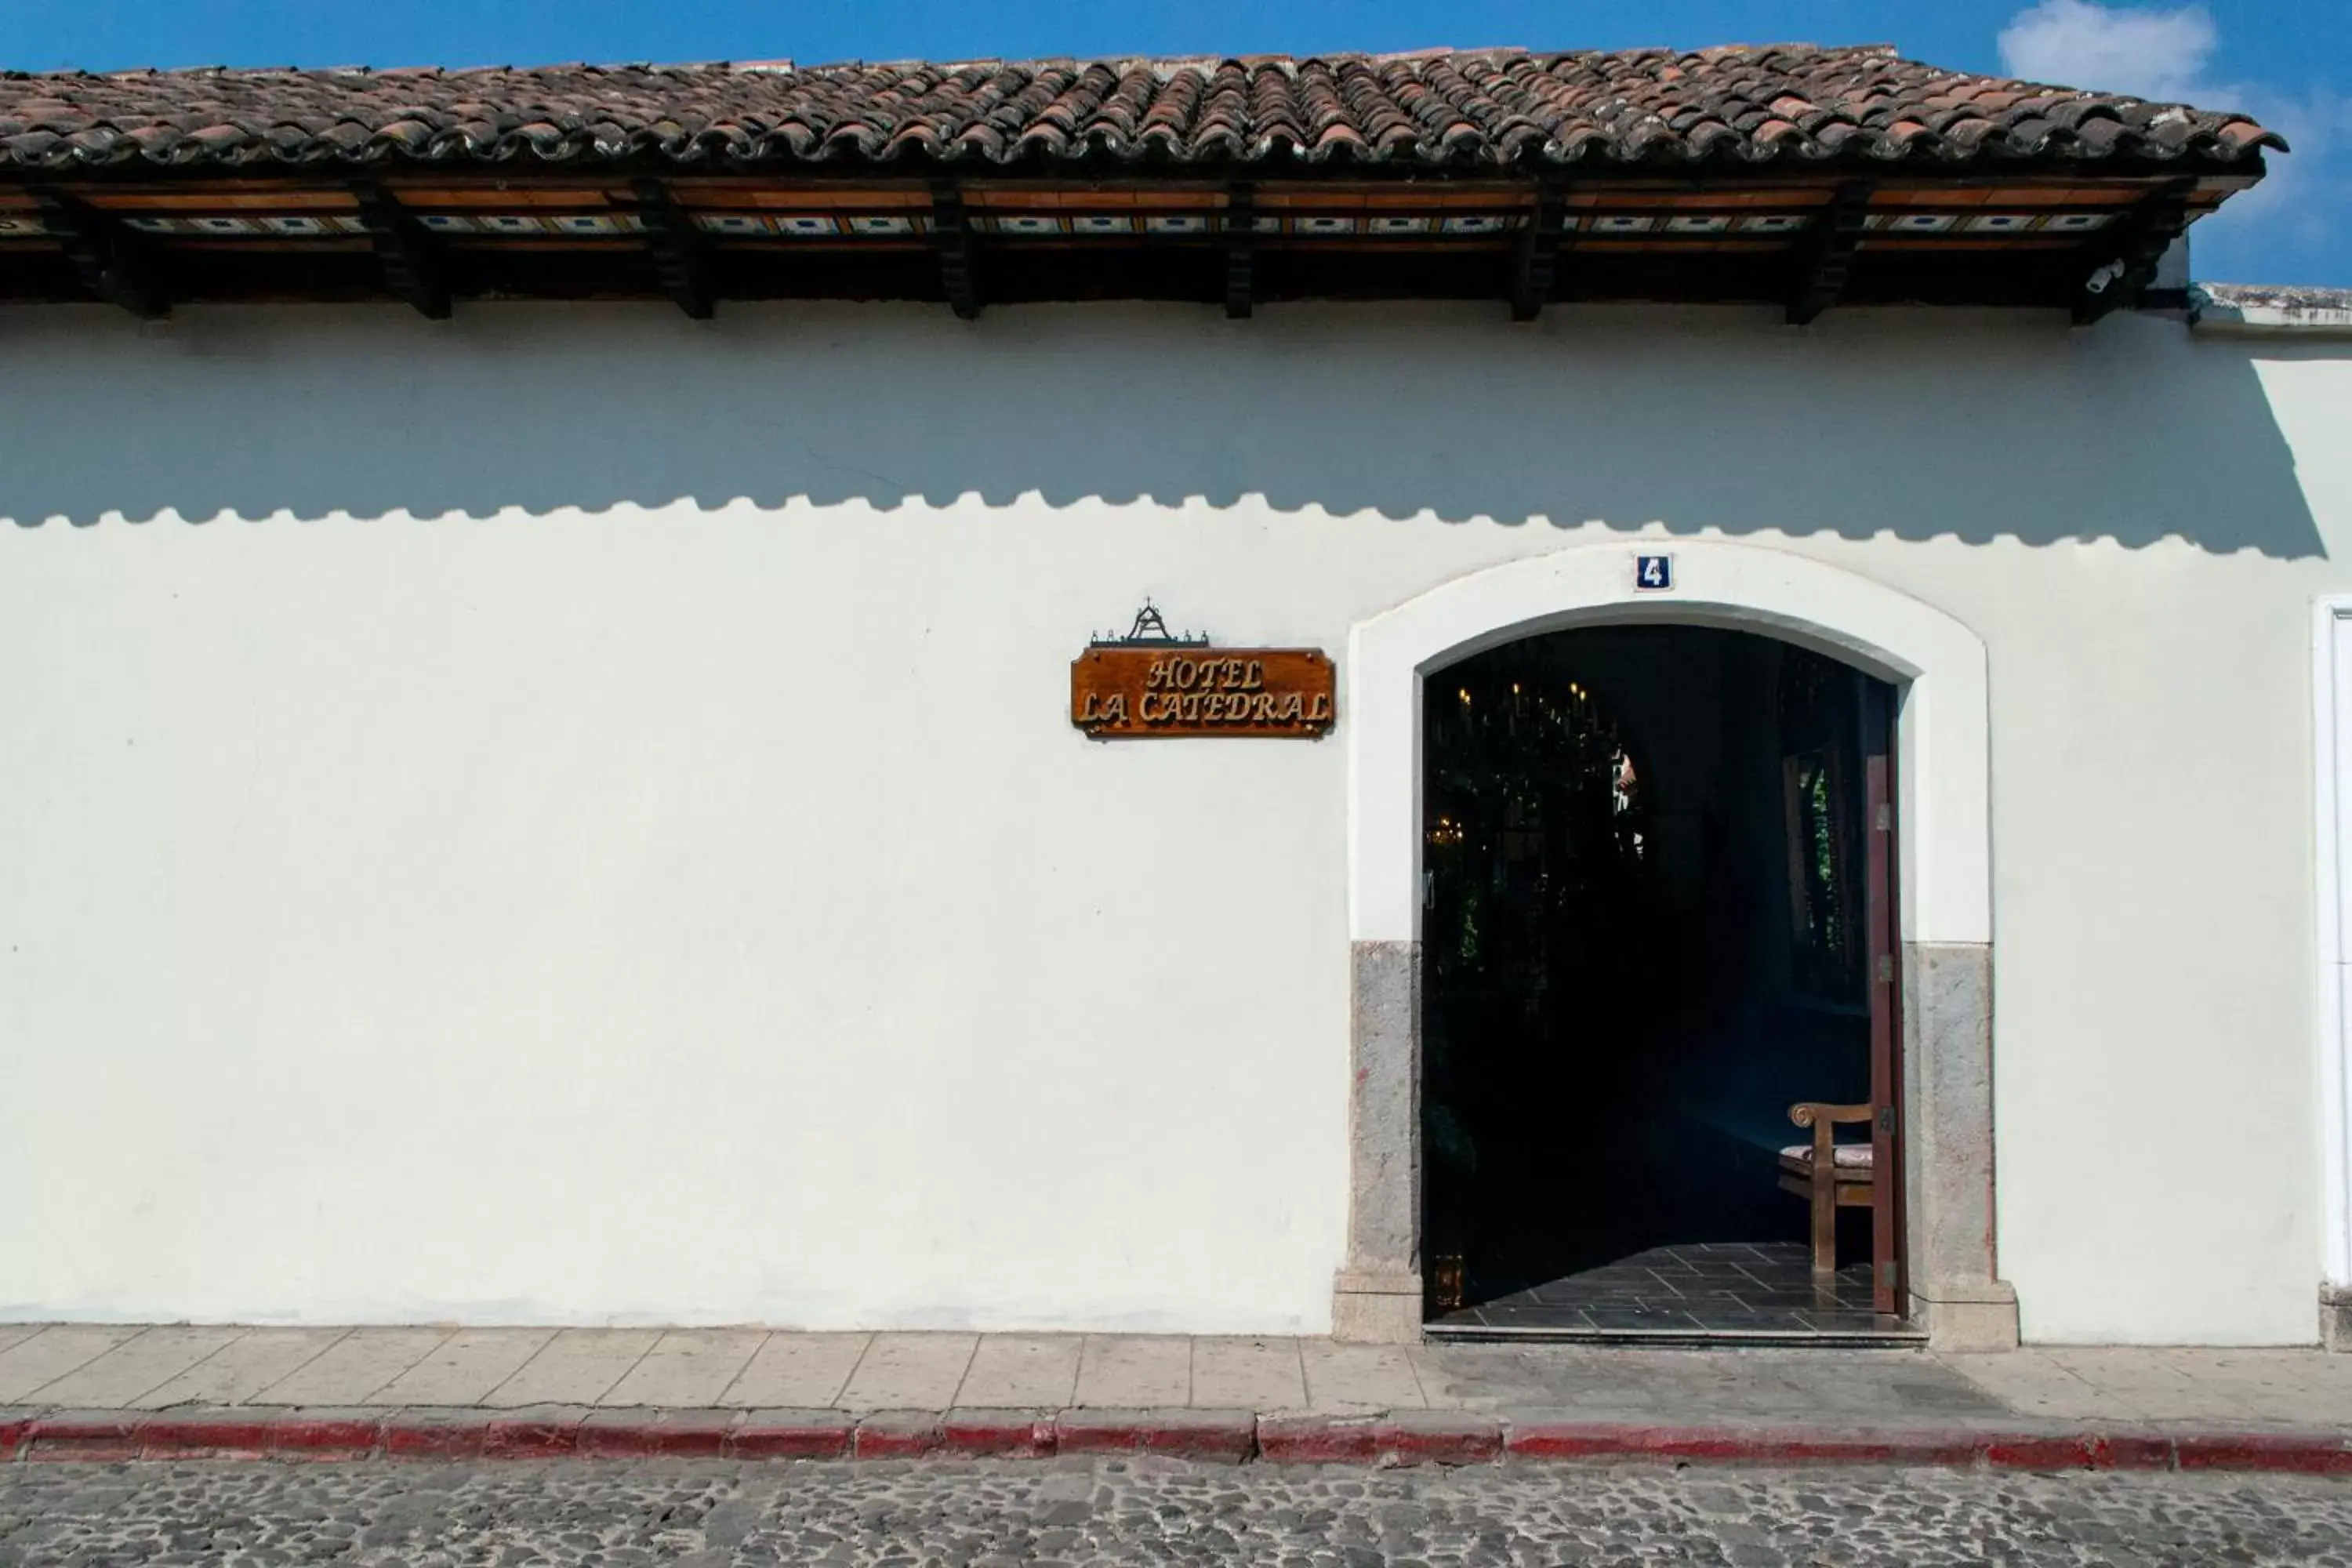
[1885, 816]
[1889, 1276]
[1885, 969]
[1886, 1120]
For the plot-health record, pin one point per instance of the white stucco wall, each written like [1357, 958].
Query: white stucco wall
[569, 815]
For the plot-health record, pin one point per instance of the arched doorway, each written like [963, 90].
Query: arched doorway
[1936, 667]
[1656, 907]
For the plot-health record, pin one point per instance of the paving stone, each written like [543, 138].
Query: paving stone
[1343, 1378]
[1440, 1386]
[1247, 1375]
[805, 1371]
[2289, 1386]
[131, 1368]
[1023, 1372]
[2146, 1388]
[1145, 1510]
[50, 1355]
[578, 1366]
[2033, 1382]
[1127, 1372]
[354, 1367]
[239, 1371]
[909, 1371]
[463, 1368]
[687, 1367]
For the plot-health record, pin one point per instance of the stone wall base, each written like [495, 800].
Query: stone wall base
[2336, 1317]
[1967, 1315]
[1376, 1309]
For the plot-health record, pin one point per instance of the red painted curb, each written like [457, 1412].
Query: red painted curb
[643, 1433]
[539, 1432]
[1402, 1437]
[2133, 1451]
[999, 1434]
[1224, 1437]
[94, 1435]
[1221, 1437]
[1319, 1439]
[1405, 1438]
[207, 1435]
[1439, 1437]
[792, 1434]
[2301, 1453]
[1717, 1445]
[896, 1434]
[325, 1433]
[2076, 1451]
[439, 1435]
[2026, 1451]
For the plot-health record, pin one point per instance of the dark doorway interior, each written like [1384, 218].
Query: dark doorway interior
[1646, 938]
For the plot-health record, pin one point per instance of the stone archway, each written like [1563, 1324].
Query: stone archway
[1946, 898]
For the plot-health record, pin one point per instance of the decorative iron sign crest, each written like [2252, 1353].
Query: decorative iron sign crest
[1153, 682]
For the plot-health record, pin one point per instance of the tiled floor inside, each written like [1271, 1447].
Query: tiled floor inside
[1728, 1290]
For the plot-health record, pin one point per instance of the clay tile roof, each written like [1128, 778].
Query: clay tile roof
[1730, 107]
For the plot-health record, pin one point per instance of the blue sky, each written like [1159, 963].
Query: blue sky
[2288, 62]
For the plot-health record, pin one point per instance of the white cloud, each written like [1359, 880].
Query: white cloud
[2073, 43]
[2162, 54]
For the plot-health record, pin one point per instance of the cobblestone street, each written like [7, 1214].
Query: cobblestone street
[1145, 1511]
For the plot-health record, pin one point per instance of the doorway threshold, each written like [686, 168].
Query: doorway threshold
[1715, 1295]
[1896, 1335]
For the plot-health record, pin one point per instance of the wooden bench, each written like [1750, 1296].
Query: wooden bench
[1832, 1175]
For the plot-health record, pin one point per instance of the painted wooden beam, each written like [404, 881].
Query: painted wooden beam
[1241, 251]
[1826, 257]
[1536, 263]
[2128, 265]
[413, 263]
[112, 262]
[681, 259]
[952, 235]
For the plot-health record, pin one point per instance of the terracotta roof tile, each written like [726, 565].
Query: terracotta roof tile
[1723, 107]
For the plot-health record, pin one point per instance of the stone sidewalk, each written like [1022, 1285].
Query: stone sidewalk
[377, 1389]
[107, 1366]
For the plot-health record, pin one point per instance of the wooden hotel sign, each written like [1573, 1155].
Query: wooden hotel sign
[1151, 684]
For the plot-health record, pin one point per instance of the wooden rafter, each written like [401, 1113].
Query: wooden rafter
[1826, 258]
[1536, 262]
[2128, 265]
[110, 260]
[681, 259]
[413, 263]
[951, 236]
[1241, 251]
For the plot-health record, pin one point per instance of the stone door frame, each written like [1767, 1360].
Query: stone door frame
[1945, 904]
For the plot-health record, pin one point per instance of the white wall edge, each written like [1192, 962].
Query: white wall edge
[2331, 734]
[2235, 310]
[1938, 663]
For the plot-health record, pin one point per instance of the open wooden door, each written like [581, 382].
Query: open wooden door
[1884, 971]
